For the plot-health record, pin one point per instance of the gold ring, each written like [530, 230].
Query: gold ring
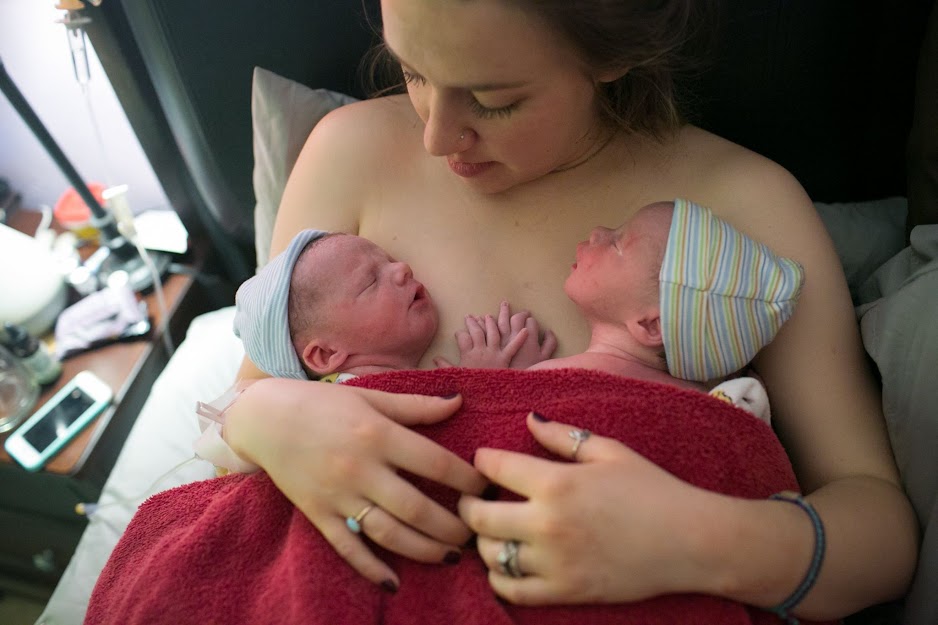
[354, 523]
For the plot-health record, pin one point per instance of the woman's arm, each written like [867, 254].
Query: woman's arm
[828, 414]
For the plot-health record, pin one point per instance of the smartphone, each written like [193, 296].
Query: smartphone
[58, 420]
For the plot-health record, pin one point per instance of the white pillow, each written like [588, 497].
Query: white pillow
[283, 113]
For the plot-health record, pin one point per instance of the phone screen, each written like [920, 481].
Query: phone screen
[57, 420]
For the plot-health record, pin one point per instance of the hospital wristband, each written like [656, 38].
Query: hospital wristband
[784, 609]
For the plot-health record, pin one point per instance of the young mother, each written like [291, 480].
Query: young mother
[525, 125]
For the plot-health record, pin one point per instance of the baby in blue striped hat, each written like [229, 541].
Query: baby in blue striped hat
[679, 296]
[333, 306]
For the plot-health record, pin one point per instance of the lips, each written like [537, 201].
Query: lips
[420, 294]
[469, 170]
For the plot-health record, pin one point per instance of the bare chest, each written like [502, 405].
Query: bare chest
[472, 251]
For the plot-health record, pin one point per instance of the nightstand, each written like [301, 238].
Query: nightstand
[39, 528]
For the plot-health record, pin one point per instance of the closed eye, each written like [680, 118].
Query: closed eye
[413, 79]
[368, 285]
[484, 112]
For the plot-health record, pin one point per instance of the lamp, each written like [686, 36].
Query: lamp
[116, 252]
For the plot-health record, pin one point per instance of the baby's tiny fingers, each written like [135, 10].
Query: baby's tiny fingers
[493, 337]
[463, 341]
[533, 327]
[476, 331]
[504, 318]
[515, 344]
[518, 320]
[549, 344]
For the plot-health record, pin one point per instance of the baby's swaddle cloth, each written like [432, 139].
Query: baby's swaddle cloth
[235, 550]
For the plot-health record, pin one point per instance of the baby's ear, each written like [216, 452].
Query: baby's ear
[647, 330]
[322, 359]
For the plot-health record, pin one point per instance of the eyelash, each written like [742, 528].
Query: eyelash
[483, 112]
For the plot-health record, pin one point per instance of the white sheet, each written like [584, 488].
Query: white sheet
[204, 365]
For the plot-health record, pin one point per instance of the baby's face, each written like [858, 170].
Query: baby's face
[616, 270]
[373, 301]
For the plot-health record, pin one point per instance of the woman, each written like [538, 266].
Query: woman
[525, 125]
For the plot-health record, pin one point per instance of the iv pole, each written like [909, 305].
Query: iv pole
[116, 253]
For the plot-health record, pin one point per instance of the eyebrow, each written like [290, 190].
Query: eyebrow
[485, 86]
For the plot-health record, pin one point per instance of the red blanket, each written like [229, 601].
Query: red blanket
[234, 550]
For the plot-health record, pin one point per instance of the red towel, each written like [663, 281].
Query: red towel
[234, 550]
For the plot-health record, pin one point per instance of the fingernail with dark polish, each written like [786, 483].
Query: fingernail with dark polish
[452, 557]
[539, 417]
[453, 396]
[490, 493]
[389, 586]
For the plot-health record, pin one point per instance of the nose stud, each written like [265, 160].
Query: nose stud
[462, 136]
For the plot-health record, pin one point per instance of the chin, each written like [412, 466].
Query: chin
[500, 179]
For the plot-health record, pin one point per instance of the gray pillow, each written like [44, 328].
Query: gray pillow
[900, 332]
[865, 234]
[283, 113]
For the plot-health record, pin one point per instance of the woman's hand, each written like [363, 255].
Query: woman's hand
[334, 450]
[612, 527]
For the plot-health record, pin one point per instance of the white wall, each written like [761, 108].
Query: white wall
[36, 54]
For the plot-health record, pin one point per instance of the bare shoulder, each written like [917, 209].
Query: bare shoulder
[749, 190]
[364, 128]
[821, 390]
[324, 190]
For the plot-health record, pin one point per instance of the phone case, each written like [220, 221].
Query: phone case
[32, 459]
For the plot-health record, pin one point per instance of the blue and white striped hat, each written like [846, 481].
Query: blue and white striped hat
[723, 295]
[261, 312]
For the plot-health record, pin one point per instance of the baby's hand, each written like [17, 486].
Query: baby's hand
[534, 349]
[481, 344]
[509, 341]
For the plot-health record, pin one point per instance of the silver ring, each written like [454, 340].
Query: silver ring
[354, 523]
[507, 559]
[578, 437]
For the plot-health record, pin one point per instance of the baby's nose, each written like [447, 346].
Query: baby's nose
[402, 272]
[599, 234]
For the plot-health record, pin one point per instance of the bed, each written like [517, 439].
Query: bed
[845, 98]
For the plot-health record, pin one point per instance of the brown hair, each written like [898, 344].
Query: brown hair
[658, 43]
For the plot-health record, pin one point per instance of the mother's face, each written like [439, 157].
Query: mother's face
[501, 96]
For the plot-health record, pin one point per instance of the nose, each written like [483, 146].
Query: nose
[599, 234]
[401, 273]
[445, 131]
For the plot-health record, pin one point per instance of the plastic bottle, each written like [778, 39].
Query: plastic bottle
[32, 354]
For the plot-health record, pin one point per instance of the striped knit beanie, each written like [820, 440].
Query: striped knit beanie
[261, 312]
[723, 295]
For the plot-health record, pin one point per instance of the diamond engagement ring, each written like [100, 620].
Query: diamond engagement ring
[578, 437]
[354, 523]
[507, 559]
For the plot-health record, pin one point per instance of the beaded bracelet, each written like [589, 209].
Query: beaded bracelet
[782, 610]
